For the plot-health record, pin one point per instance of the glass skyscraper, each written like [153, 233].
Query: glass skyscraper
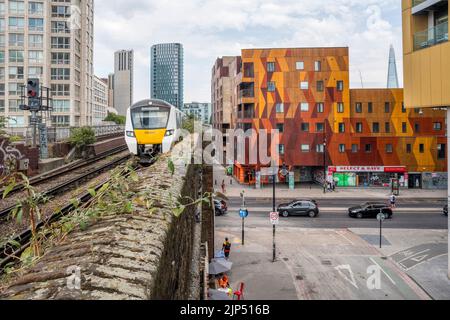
[166, 74]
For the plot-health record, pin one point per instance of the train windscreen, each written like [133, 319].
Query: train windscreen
[149, 118]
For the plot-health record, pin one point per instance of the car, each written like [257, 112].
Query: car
[446, 210]
[370, 210]
[299, 208]
[220, 207]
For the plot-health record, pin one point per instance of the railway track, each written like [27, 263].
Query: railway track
[65, 169]
[9, 253]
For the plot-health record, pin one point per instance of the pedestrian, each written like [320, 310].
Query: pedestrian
[392, 199]
[226, 247]
[334, 185]
[223, 186]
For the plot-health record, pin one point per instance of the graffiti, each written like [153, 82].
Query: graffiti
[9, 156]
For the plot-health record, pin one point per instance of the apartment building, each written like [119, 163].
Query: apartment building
[99, 100]
[52, 41]
[198, 110]
[167, 73]
[360, 137]
[123, 80]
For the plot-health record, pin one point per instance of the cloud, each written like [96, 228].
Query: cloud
[209, 29]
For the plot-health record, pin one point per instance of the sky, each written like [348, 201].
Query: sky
[213, 28]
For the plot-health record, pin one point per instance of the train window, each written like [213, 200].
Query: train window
[149, 119]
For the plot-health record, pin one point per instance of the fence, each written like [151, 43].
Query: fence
[56, 134]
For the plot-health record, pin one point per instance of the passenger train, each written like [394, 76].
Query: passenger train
[152, 126]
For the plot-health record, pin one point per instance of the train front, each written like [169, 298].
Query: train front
[146, 128]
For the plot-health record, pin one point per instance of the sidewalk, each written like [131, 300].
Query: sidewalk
[422, 254]
[233, 189]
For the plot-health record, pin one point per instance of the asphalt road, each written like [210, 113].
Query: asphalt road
[409, 214]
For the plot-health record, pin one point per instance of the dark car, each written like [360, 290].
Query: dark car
[370, 210]
[299, 208]
[446, 210]
[220, 207]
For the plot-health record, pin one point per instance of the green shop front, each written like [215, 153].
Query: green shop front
[368, 176]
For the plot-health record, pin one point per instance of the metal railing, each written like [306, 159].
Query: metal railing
[431, 37]
[57, 134]
[247, 93]
[417, 2]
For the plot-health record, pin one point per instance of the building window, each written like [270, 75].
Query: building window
[319, 127]
[300, 65]
[416, 127]
[305, 147]
[355, 148]
[441, 151]
[341, 127]
[320, 107]
[437, 126]
[304, 85]
[319, 86]
[281, 149]
[387, 107]
[35, 56]
[318, 66]
[375, 127]
[387, 127]
[280, 127]
[389, 148]
[340, 85]
[271, 86]
[358, 107]
[368, 148]
[16, 56]
[304, 106]
[403, 108]
[36, 24]
[16, 39]
[340, 107]
[280, 107]
[404, 128]
[15, 73]
[320, 148]
[270, 66]
[359, 127]
[342, 148]
[370, 107]
[408, 148]
[421, 148]
[305, 127]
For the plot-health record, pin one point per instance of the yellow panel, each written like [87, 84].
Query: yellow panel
[415, 79]
[150, 136]
[436, 79]
[445, 69]
[407, 29]
[425, 76]
[407, 83]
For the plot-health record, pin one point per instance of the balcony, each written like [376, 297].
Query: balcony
[247, 93]
[431, 37]
[422, 6]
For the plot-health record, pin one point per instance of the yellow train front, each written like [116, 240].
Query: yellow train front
[152, 126]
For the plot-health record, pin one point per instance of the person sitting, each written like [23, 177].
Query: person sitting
[224, 282]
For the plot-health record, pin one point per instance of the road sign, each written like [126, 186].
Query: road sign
[381, 217]
[274, 218]
[243, 213]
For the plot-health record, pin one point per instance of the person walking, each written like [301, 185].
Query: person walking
[223, 186]
[226, 247]
[392, 200]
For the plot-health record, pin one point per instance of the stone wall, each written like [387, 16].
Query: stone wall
[143, 255]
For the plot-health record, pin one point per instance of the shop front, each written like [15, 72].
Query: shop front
[368, 176]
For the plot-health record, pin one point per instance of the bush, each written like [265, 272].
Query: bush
[81, 137]
[115, 118]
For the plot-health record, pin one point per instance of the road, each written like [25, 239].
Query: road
[409, 214]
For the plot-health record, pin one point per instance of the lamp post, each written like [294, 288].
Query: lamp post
[324, 161]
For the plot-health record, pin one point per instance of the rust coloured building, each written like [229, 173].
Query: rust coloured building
[359, 137]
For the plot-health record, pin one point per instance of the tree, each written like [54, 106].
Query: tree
[81, 137]
[115, 118]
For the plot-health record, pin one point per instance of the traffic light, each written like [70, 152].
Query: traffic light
[33, 88]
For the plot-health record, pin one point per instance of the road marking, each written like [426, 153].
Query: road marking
[381, 268]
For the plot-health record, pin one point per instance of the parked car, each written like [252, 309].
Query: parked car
[220, 207]
[446, 210]
[299, 208]
[370, 210]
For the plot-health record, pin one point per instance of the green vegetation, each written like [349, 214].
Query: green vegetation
[115, 118]
[81, 137]
[188, 123]
[2, 126]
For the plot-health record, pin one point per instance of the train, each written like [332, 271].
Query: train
[152, 127]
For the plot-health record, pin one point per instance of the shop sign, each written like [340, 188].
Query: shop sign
[367, 169]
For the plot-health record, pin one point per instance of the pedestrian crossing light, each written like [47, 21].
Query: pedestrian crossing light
[33, 88]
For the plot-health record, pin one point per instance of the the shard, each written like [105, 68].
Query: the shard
[392, 81]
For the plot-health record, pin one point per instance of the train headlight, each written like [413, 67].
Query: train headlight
[130, 134]
[169, 133]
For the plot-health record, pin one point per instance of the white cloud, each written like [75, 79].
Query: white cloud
[212, 28]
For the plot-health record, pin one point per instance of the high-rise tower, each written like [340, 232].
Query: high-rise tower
[392, 82]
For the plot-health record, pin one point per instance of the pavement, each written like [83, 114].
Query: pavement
[234, 189]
